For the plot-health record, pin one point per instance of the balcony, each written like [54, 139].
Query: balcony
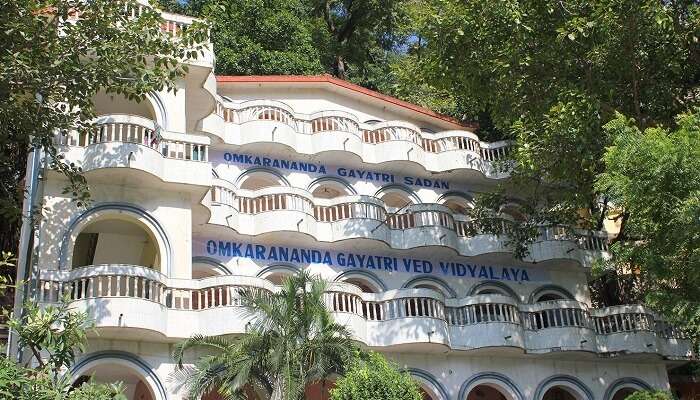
[416, 319]
[261, 122]
[123, 143]
[286, 209]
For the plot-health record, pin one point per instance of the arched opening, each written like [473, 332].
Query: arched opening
[116, 241]
[429, 387]
[550, 293]
[106, 104]
[457, 204]
[277, 273]
[550, 297]
[330, 188]
[203, 267]
[430, 286]
[366, 281]
[396, 199]
[623, 393]
[513, 211]
[497, 288]
[432, 283]
[559, 393]
[259, 179]
[425, 395]
[135, 385]
[363, 284]
[486, 392]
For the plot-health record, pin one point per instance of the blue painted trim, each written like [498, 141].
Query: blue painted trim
[497, 284]
[629, 382]
[365, 274]
[211, 261]
[427, 278]
[141, 365]
[562, 380]
[554, 288]
[474, 381]
[253, 170]
[431, 379]
[403, 188]
[117, 206]
[278, 267]
[319, 181]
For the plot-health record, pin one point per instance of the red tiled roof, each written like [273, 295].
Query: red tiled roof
[343, 84]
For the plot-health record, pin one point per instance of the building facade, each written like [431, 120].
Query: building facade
[237, 182]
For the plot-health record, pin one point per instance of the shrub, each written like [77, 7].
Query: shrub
[650, 395]
[372, 377]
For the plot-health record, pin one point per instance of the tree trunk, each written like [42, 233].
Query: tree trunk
[339, 67]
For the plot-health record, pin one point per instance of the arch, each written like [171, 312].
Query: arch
[338, 184]
[443, 286]
[125, 359]
[159, 108]
[364, 275]
[493, 286]
[266, 175]
[436, 390]
[216, 266]
[550, 289]
[625, 383]
[494, 380]
[150, 106]
[458, 202]
[104, 210]
[399, 190]
[275, 273]
[571, 384]
[513, 210]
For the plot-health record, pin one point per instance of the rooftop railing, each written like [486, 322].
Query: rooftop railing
[339, 121]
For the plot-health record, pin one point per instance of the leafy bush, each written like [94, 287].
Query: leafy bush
[372, 377]
[650, 395]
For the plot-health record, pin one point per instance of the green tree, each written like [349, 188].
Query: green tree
[373, 377]
[650, 395]
[53, 335]
[56, 55]
[290, 343]
[654, 178]
[551, 75]
[262, 37]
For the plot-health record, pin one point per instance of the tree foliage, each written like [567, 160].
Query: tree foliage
[552, 75]
[650, 395]
[56, 55]
[654, 177]
[53, 336]
[373, 377]
[291, 342]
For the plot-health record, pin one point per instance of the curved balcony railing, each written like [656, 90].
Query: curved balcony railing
[557, 314]
[340, 121]
[546, 319]
[367, 207]
[134, 129]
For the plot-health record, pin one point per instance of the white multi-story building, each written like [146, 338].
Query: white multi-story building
[241, 181]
